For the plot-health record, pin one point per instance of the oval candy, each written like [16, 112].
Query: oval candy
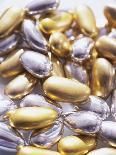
[65, 90]
[10, 19]
[37, 64]
[28, 118]
[11, 66]
[33, 36]
[83, 122]
[20, 86]
[103, 74]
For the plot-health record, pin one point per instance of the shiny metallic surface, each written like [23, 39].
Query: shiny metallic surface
[40, 6]
[83, 122]
[103, 74]
[10, 19]
[106, 47]
[37, 64]
[90, 141]
[28, 118]
[47, 137]
[35, 100]
[8, 44]
[59, 44]
[88, 25]
[77, 72]
[30, 150]
[33, 36]
[97, 105]
[11, 66]
[72, 145]
[55, 21]
[8, 139]
[103, 151]
[108, 131]
[65, 90]
[113, 106]
[20, 86]
[82, 49]
[57, 66]
[110, 13]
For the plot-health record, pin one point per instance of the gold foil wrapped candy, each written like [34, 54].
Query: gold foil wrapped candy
[10, 19]
[65, 90]
[59, 44]
[32, 117]
[20, 86]
[72, 145]
[11, 65]
[86, 21]
[106, 47]
[103, 74]
[55, 21]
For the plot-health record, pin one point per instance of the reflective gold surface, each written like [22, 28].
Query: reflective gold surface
[86, 21]
[57, 66]
[59, 44]
[65, 90]
[103, 151]
[55, 21]
[11, 65]
[20, 86]
[106, 47]
[32, 117]
[110, 13]
[72, 145]
[90, 141]
[103, 74]
[29, 150]
[11, 18]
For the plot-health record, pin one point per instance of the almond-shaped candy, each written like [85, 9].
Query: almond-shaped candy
[86, 20]
[11, 66]
[103, 74]
[82, 49]
[40, 6]
[33, 36]
[65, 90]
[10, 19]
[47, 137]
[55, 22]
[28, 118]
[37, 64]
[35, 100]
[83, 122]
[8, 139]
[8, 44]
[97, 105]
[20, 86]
[30, 150]
[72, 145]
[106, 47]
[59, 44]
